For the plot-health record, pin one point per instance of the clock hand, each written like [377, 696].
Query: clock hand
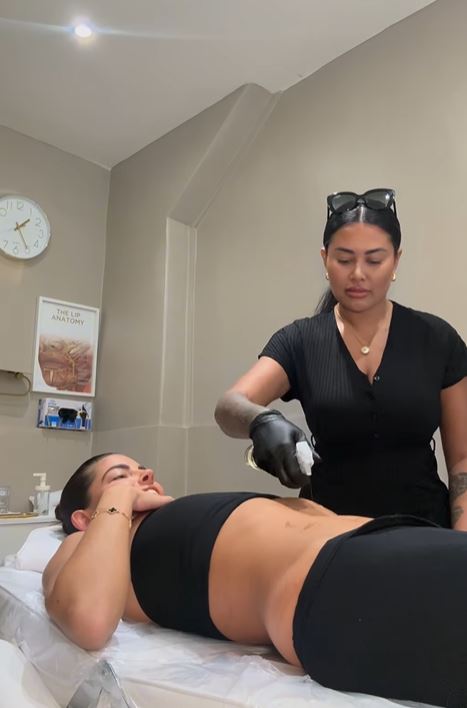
[20, 226]
[17, 228]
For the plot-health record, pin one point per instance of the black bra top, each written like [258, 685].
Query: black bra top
[170, 557]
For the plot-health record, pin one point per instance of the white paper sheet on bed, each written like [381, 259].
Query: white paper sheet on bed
[157, 666]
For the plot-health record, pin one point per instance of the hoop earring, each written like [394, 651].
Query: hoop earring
[326, 275]
[394, 276]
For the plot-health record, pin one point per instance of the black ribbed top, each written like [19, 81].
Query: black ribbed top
[374, 439]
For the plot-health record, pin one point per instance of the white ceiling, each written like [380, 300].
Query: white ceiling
[157, 63]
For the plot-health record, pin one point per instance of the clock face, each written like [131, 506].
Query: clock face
[24, 227]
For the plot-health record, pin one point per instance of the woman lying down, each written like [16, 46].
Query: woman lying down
[373, 606]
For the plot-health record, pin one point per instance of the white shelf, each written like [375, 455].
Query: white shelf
[29, 520]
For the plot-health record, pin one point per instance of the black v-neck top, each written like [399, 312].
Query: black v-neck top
[374, 439]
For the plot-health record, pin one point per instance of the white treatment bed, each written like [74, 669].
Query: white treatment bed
[148, 666]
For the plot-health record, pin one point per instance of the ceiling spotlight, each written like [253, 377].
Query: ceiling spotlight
[83, 31]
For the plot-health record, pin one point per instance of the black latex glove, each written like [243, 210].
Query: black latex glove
[274, 440]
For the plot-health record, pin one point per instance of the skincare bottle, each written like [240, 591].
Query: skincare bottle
[41, 494]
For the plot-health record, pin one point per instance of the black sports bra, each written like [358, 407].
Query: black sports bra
[170, 557]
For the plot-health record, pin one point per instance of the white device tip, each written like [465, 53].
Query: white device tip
[304, 457]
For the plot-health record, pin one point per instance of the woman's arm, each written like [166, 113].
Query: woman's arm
[87, 581]
[454, 436]
[264, 382]
[241, 413]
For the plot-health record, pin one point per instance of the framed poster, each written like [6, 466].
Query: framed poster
[65, 351]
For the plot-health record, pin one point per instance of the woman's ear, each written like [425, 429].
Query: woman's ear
[80, 519]
[324, 255]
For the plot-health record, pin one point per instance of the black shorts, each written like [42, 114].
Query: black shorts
[383, 611]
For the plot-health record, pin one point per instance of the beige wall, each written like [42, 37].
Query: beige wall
[74, 194]
[145, 189]
[392, 112]
[213, 242]
[188, 306]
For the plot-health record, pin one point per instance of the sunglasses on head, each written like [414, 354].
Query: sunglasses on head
[380, 198]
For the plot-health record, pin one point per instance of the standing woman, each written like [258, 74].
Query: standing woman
[375, 380]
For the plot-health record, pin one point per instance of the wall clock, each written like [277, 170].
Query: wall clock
[24, 227]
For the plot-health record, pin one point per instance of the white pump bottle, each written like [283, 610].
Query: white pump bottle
[41, 494]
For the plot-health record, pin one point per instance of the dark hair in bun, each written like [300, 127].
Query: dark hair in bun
[75, 494]
[385, 219]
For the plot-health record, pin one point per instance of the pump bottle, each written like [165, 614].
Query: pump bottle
[41, 494]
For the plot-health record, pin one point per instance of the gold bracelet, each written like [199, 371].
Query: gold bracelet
[112, 510]
[250, 460]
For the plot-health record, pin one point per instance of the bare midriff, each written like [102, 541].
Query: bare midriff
[259, 562]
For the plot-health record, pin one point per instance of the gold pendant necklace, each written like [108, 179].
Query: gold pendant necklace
[364, 348]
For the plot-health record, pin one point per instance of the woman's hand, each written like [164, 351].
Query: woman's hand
[149, 499]
[274, 447]
[143, 497]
